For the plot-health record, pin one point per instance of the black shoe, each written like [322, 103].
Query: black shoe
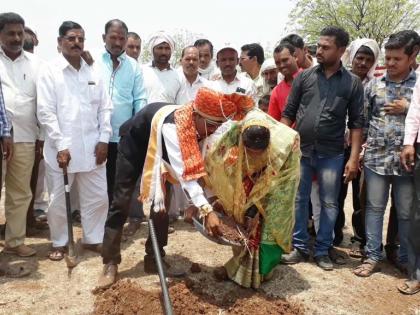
[151, 267]
[296, 256]
[76, 216]
[324, 262]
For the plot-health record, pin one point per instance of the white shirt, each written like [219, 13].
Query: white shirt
[195, 191]
[188, 91]
[19, 88]
[75, 110]
[412, 120]
[161, 85]
[241, 84]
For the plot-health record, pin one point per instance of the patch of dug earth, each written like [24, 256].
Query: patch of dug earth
[127, 298]
[229, 229]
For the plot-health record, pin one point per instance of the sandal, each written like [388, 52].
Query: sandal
[367, 268]
[357, 252]
[409, 287]
[57, 253]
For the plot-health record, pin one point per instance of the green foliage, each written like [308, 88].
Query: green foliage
[375, 19]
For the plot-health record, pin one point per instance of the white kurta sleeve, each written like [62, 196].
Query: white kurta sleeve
[104, 115]
[193, 188]
[47, 110]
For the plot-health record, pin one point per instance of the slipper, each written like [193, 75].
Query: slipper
[57, 253]
[12, 273]
[409, 287]
[367, 268]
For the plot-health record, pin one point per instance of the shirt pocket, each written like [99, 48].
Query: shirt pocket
[94, 94]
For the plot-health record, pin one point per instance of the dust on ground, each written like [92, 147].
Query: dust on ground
[303, 287]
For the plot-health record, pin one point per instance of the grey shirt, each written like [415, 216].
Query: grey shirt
[320, 106]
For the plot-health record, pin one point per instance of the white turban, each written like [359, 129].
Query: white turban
[268, 64]
[159, 38]
[355, 46]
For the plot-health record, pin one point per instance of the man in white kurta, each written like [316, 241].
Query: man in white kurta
[75, 110]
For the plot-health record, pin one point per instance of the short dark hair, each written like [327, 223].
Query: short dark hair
[342, 38]
[365, 50]
[133, 35]
[116, 21]
[202, 42]
[185, 48]
[67, 26]
[264, 100]
[254, 50]
[404, 39]
[285, 45]
[256, 137]
[293, 39]
[28, 43]
[10, 18]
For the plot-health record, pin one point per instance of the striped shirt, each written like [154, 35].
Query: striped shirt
[4, 123]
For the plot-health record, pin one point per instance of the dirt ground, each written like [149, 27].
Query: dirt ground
[48, 290]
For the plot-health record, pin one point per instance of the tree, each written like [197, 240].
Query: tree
[375, 19]
[182, 38]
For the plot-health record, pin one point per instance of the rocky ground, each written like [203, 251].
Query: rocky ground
[303, 288]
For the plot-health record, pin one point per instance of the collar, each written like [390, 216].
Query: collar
[411, 76]
[121, 57]
[153, 65]
[23, 54]
[237, 77]
[320, 68]
[63, 63]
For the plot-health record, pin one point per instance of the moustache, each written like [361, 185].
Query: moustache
[76, 47]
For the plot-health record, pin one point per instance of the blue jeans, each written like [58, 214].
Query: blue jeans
[377, 194]
[328, 171]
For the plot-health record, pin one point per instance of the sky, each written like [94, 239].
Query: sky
[234, 22]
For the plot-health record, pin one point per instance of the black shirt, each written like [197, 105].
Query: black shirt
[320, 107]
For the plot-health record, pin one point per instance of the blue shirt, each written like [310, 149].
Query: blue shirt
[126, 88]
[4, 123]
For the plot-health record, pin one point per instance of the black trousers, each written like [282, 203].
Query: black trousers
[358, 218]
[130, 157]
[111, 164]
[414, 231]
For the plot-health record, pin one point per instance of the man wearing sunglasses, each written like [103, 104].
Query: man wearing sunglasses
[161, 142]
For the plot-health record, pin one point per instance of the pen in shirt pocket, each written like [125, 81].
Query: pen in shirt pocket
[91, 83]
[24, 76]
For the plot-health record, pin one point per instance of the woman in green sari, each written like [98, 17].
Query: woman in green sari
[253, 169]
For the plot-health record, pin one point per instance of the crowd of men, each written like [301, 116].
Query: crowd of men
[95, 117]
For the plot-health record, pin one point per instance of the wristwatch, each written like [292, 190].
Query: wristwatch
[205, 210]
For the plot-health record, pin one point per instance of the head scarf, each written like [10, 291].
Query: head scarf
[220, 107]
[268, 64]
[210, 105]
[355, 46]
[159, 38]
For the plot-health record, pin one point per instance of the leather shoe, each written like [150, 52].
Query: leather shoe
[107, 278]
[296, 256]
[324, 262]
[20, 250]
[172, 272]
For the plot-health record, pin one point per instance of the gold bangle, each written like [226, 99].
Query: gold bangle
[205, 210]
